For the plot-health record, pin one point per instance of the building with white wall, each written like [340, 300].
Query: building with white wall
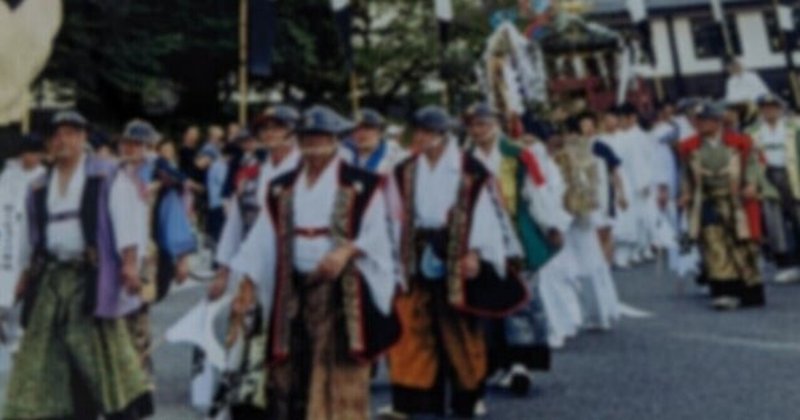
[689, 52]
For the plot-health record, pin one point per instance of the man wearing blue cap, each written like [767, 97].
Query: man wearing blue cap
[76, 359]
[456, 241]
[140, 240]
[275, 131]
[777, 136]
[518, 344]
[321, 258]
[720, 192]
[369, 149]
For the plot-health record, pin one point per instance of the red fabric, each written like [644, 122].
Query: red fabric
[532, 167]
[247, 173]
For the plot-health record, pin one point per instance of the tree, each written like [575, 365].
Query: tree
[119, 53]
[112, 51]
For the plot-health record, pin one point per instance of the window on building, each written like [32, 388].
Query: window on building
[774, 33]
[709, 42]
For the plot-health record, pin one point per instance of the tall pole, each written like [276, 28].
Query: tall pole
[243, 73]
[718, 12]
[26, 116]
[787, 50]
[355, 101]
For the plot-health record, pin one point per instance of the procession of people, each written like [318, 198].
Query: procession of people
[461, 255]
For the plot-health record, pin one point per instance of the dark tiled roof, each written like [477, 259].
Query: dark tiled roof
[659, 6]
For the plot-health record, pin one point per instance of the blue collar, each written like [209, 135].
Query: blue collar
[374, 160]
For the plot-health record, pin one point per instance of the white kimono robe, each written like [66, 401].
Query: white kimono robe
[436, 191]
[233, 233]
[14, 185]
[313, 207]
[635, 149]
[558, 279]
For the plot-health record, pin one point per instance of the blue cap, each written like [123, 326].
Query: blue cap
[320, 119]
[141, 131]
[480, 110]
[243, 135]
[283, 114]
[770, 99]
[710, 110]
[368, 117]
[433, 118]
[71, 118]
[686, 105]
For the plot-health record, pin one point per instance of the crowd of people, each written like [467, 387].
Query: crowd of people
[459, 255]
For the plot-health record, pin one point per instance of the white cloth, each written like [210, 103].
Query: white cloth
[14, 185]
[745, 87]
[559, 288]
[553, 215]
[436, 190]
[532, 194]
[635, 148]
[65, 237]
[598, 293]
[313, 207]
[685, 128]
[233, 232]
[313, 210]
[394, 155]
[130, 213]
[557, 283]
[26, 39]
[772, 141]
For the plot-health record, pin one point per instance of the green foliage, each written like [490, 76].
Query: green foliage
[113, 51]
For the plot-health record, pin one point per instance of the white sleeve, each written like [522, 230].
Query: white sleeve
[256, 259]
[232, 234]
[546, 210]
[761, 88]
[126, 228]
[378, 263]
[24, 242]
[488, 234]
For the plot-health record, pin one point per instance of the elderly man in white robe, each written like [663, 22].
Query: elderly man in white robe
[455, 243]
[369, 149]
[321, 259]
[275, 130]
[76, 359]
[131, 204]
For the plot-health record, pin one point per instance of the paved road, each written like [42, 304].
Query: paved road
[685, 362]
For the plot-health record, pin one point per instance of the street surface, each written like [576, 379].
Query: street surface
[685, 362]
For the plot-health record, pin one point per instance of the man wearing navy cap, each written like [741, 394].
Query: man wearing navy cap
[78, 288]
[777, 136]
[720, 193]
[369, 149]
[321, 259]
[274, 131]
[131, 202]
[455, 242]
[518, 345]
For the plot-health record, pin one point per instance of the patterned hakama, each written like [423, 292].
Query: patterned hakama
[731, 265]
[70, 364]
[320, 379]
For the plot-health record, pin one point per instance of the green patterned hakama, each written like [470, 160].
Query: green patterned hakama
[66, 352]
